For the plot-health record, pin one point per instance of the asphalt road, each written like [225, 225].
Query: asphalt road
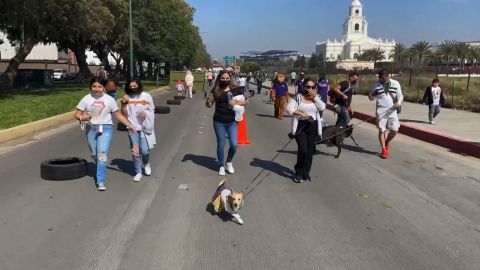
[417, 210]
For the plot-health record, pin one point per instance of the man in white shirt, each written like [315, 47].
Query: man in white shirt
[388, 95]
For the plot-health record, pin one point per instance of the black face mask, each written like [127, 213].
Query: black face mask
[353, 82]
[223, 84]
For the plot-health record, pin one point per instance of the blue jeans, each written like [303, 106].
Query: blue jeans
[343, 118]
[138, 139]
[99, 144]
[221, 131]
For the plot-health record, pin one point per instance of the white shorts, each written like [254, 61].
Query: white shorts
[388, 121]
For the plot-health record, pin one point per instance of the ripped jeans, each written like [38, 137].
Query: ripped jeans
[139, 143]
[99, 144]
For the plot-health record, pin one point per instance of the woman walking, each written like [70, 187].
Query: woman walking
[224, 118]
[189, 83]
[305, 110]
[95, 111]
[139, 108]
[280, 95]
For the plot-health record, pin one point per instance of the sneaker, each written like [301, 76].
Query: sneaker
[101, 187]
[221, 171]
[297, 179]
[230, 169]
[386, 147]
[432, 123]
[137, 177]
[148, 169]
[384, 154]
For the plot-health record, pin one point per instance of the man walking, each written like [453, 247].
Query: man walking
[434, 98]
[293, 78]
[388, 95]
[299, 83]
[343, 100]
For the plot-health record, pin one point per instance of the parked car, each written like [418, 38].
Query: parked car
[59, 74]
[69, 76]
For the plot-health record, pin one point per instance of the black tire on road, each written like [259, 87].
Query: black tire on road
[121, 127]
[61, 169]
[162, 110]
[179, 97]
[174, 102]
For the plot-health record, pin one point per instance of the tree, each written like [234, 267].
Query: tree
[313, 62]
[421, 49]
[20, 23]
[462, 51]
[447, 50]
[399, 54]
[374, 55]
[301, 62]
[248, 67]
[81, 25]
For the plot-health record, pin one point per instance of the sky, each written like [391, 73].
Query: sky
[229, 27]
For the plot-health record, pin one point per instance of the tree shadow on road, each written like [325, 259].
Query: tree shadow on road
[273, 167]
[204, 161]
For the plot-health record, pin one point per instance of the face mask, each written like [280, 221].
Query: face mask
[96, 95]
[223, 84]
[353, 82]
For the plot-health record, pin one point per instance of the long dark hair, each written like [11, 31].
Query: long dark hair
[129, 91]
[216, 91]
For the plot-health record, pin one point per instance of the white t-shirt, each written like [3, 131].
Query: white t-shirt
[100, 108]
[384, 100]
[136, 105]
[309, 108]
[436, 91]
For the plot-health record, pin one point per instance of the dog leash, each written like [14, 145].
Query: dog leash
[285, 146]
[260, 173]
[352, 126]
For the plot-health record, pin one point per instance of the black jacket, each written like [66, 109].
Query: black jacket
[428, 98]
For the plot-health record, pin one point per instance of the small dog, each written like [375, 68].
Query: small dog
[335, 135]
[227, 200]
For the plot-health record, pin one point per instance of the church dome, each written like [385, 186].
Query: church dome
[356, 3]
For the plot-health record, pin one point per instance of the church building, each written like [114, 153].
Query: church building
[355, 39]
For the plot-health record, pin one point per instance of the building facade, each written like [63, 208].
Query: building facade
[354, 40]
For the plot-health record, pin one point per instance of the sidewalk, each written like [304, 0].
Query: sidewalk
[455, 129]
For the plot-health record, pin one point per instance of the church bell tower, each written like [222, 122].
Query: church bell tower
[355, 26]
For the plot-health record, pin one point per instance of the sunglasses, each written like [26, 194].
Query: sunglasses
[310, 87]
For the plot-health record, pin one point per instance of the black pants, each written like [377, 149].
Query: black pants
[306, 133]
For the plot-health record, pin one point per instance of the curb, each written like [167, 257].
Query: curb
[450, 142]
[30, 128]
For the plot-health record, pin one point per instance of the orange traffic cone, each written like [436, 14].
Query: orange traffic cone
[242, 131]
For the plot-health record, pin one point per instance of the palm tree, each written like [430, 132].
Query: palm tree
[474, 56]
[421, 49]
[462, 51]
[375, 55]
[447, 50]
[399, 54]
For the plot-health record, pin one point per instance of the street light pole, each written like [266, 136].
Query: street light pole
[130, 37]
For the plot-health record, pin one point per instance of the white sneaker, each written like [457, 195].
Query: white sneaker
[137, 177]
[148, 169]
[221, 172]
[102, 187]
[230, 169]
[432, 123]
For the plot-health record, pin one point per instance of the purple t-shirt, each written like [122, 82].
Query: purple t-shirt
[281, 89]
